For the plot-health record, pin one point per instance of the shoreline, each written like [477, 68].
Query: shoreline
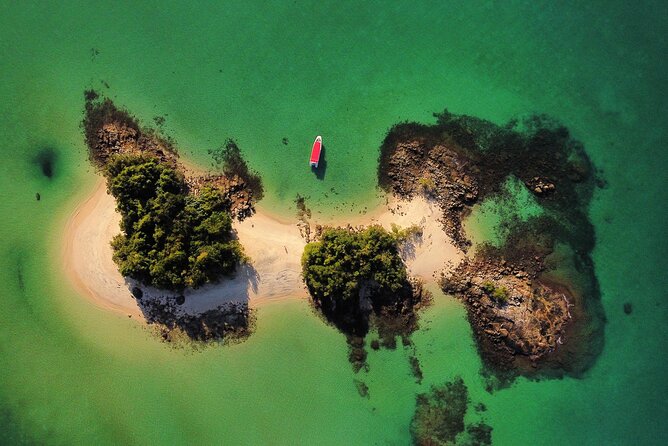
[273, 242]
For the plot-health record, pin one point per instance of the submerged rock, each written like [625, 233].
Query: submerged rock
[628, 308]
[439, 418]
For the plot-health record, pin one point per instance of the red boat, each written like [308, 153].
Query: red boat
[315, 152]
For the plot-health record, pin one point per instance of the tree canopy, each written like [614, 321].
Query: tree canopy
[345, 266]
[171, 239]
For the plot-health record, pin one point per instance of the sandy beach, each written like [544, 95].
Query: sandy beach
[274, 245]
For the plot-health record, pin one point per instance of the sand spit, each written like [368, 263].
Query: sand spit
[274, 246]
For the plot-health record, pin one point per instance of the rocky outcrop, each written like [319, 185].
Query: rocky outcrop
[461, 160]
[533, 304]
[112, 131]
[454, 187]
[532, 311]
[230, 322]
[119, 138]
[517, 319]
[236, 190]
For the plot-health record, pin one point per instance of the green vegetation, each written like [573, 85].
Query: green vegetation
[347, 266]
[171, 239]
[500, 293]
[427, 184]
[402, 235]
[339, 264]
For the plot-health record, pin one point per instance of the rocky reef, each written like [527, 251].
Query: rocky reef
[439, 418]
[533, 302]
[533, 310]
[462, 160]
[226, 323]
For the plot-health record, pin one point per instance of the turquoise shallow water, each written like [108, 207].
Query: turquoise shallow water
[73, 374]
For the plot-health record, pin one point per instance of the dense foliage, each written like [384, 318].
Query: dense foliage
[171, 239]
[347, 266]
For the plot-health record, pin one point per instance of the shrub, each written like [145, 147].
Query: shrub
[427, 184]
[404, 234]
[499, 294]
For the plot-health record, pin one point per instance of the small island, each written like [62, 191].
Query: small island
[176, 226]
[358, 281]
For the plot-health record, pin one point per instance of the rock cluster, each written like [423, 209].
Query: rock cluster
[521, 309]
[110, 131]
[224, 323]
[540, 186]
[418, 164]
[517, 319]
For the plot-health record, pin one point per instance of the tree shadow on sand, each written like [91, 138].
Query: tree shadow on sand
[322, 165]
[408, 248]
[214, 312]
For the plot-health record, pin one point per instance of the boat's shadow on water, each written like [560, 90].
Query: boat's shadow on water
[322, 164]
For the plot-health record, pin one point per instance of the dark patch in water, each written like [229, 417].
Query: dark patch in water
[10, 432]
[19, 276]
[362, 388]
[37, 196]
[628, 308]
[439, 418]
[480, 407]
[415, 368]
[46, 160]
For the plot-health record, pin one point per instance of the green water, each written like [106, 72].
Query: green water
[73, 374]
[484, 224]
